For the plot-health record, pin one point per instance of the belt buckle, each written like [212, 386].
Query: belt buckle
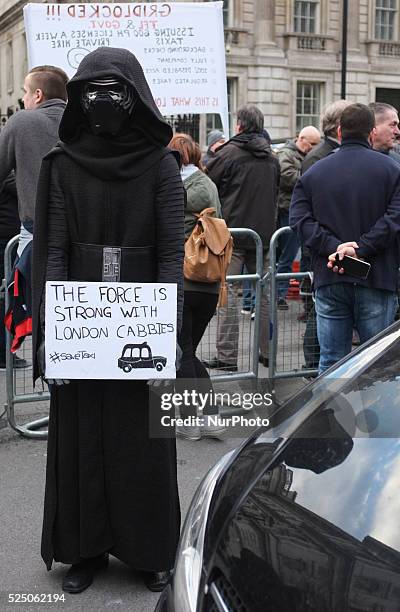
[111, 264]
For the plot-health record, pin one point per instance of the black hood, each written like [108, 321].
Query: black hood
[142, 142]
[255, 143]
[122, 65]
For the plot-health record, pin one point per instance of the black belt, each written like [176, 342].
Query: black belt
[95, 262]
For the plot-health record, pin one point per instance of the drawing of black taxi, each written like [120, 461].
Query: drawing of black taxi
[140, 356]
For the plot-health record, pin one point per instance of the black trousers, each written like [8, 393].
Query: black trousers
[198, 309]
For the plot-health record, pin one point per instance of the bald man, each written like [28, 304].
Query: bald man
[290, 159]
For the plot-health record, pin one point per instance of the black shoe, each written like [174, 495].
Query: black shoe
[282, 304]
[263, 360]
[18, 363]
[80, 575]
[156, 581]
[217, 364]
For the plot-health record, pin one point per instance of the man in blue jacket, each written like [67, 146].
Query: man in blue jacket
[349, 203]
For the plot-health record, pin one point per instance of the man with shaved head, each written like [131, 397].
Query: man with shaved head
[291, 157]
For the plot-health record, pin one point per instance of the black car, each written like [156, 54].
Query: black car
[304, 516]
[140, 356]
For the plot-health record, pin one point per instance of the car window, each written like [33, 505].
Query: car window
[355, 492]
[326, 540]
[318, 525]
[130, 352]
[345, 460]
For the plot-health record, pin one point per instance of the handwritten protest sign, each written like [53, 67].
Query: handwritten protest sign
[179, 44]
[110, 330]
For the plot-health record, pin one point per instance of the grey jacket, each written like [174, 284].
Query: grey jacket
[201, 193]
[24, 141]
[290, 160]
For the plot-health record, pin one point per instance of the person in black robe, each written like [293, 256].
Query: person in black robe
[111, 182]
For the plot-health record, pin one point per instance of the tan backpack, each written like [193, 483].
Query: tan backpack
[208, 252]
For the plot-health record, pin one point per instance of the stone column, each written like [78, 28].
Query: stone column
[264, 22]
[353, 27]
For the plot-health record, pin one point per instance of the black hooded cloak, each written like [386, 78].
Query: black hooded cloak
[109, 486]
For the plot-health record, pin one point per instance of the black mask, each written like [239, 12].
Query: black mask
[107, 104]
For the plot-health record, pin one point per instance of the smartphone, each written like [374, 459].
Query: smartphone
[354, 267]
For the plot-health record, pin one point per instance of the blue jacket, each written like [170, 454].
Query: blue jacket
[353, 194]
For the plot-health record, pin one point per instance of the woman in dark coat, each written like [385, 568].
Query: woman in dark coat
[110, 487]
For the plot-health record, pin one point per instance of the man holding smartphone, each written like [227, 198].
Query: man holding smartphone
[348, 204]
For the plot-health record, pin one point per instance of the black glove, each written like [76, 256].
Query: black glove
[41, 357]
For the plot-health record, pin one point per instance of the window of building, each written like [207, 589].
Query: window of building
[306, 16]
[385, 18]
[186, 124]
[214, 121]
[232, 103]
[390, 96]
[10, 67]
[308, 104]
[227, 12]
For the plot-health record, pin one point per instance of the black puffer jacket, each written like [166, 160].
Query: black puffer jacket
[324, 148]
[247, 176]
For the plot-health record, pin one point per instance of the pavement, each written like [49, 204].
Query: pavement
[22, 473]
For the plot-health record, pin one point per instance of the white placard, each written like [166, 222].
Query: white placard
[180, 46]
[110, 330]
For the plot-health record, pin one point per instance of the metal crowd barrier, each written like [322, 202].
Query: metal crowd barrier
[19, 386]
[294, 349]
[291, 353]
[249, 327]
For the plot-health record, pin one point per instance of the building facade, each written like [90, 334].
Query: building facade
[282, 55]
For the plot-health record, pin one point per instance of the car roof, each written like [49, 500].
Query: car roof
[352, 370]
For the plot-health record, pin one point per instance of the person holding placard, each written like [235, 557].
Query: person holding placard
[110, 184]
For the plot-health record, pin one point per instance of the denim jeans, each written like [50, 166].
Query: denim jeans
[249, 293]
[288, 245]
[342, 306]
